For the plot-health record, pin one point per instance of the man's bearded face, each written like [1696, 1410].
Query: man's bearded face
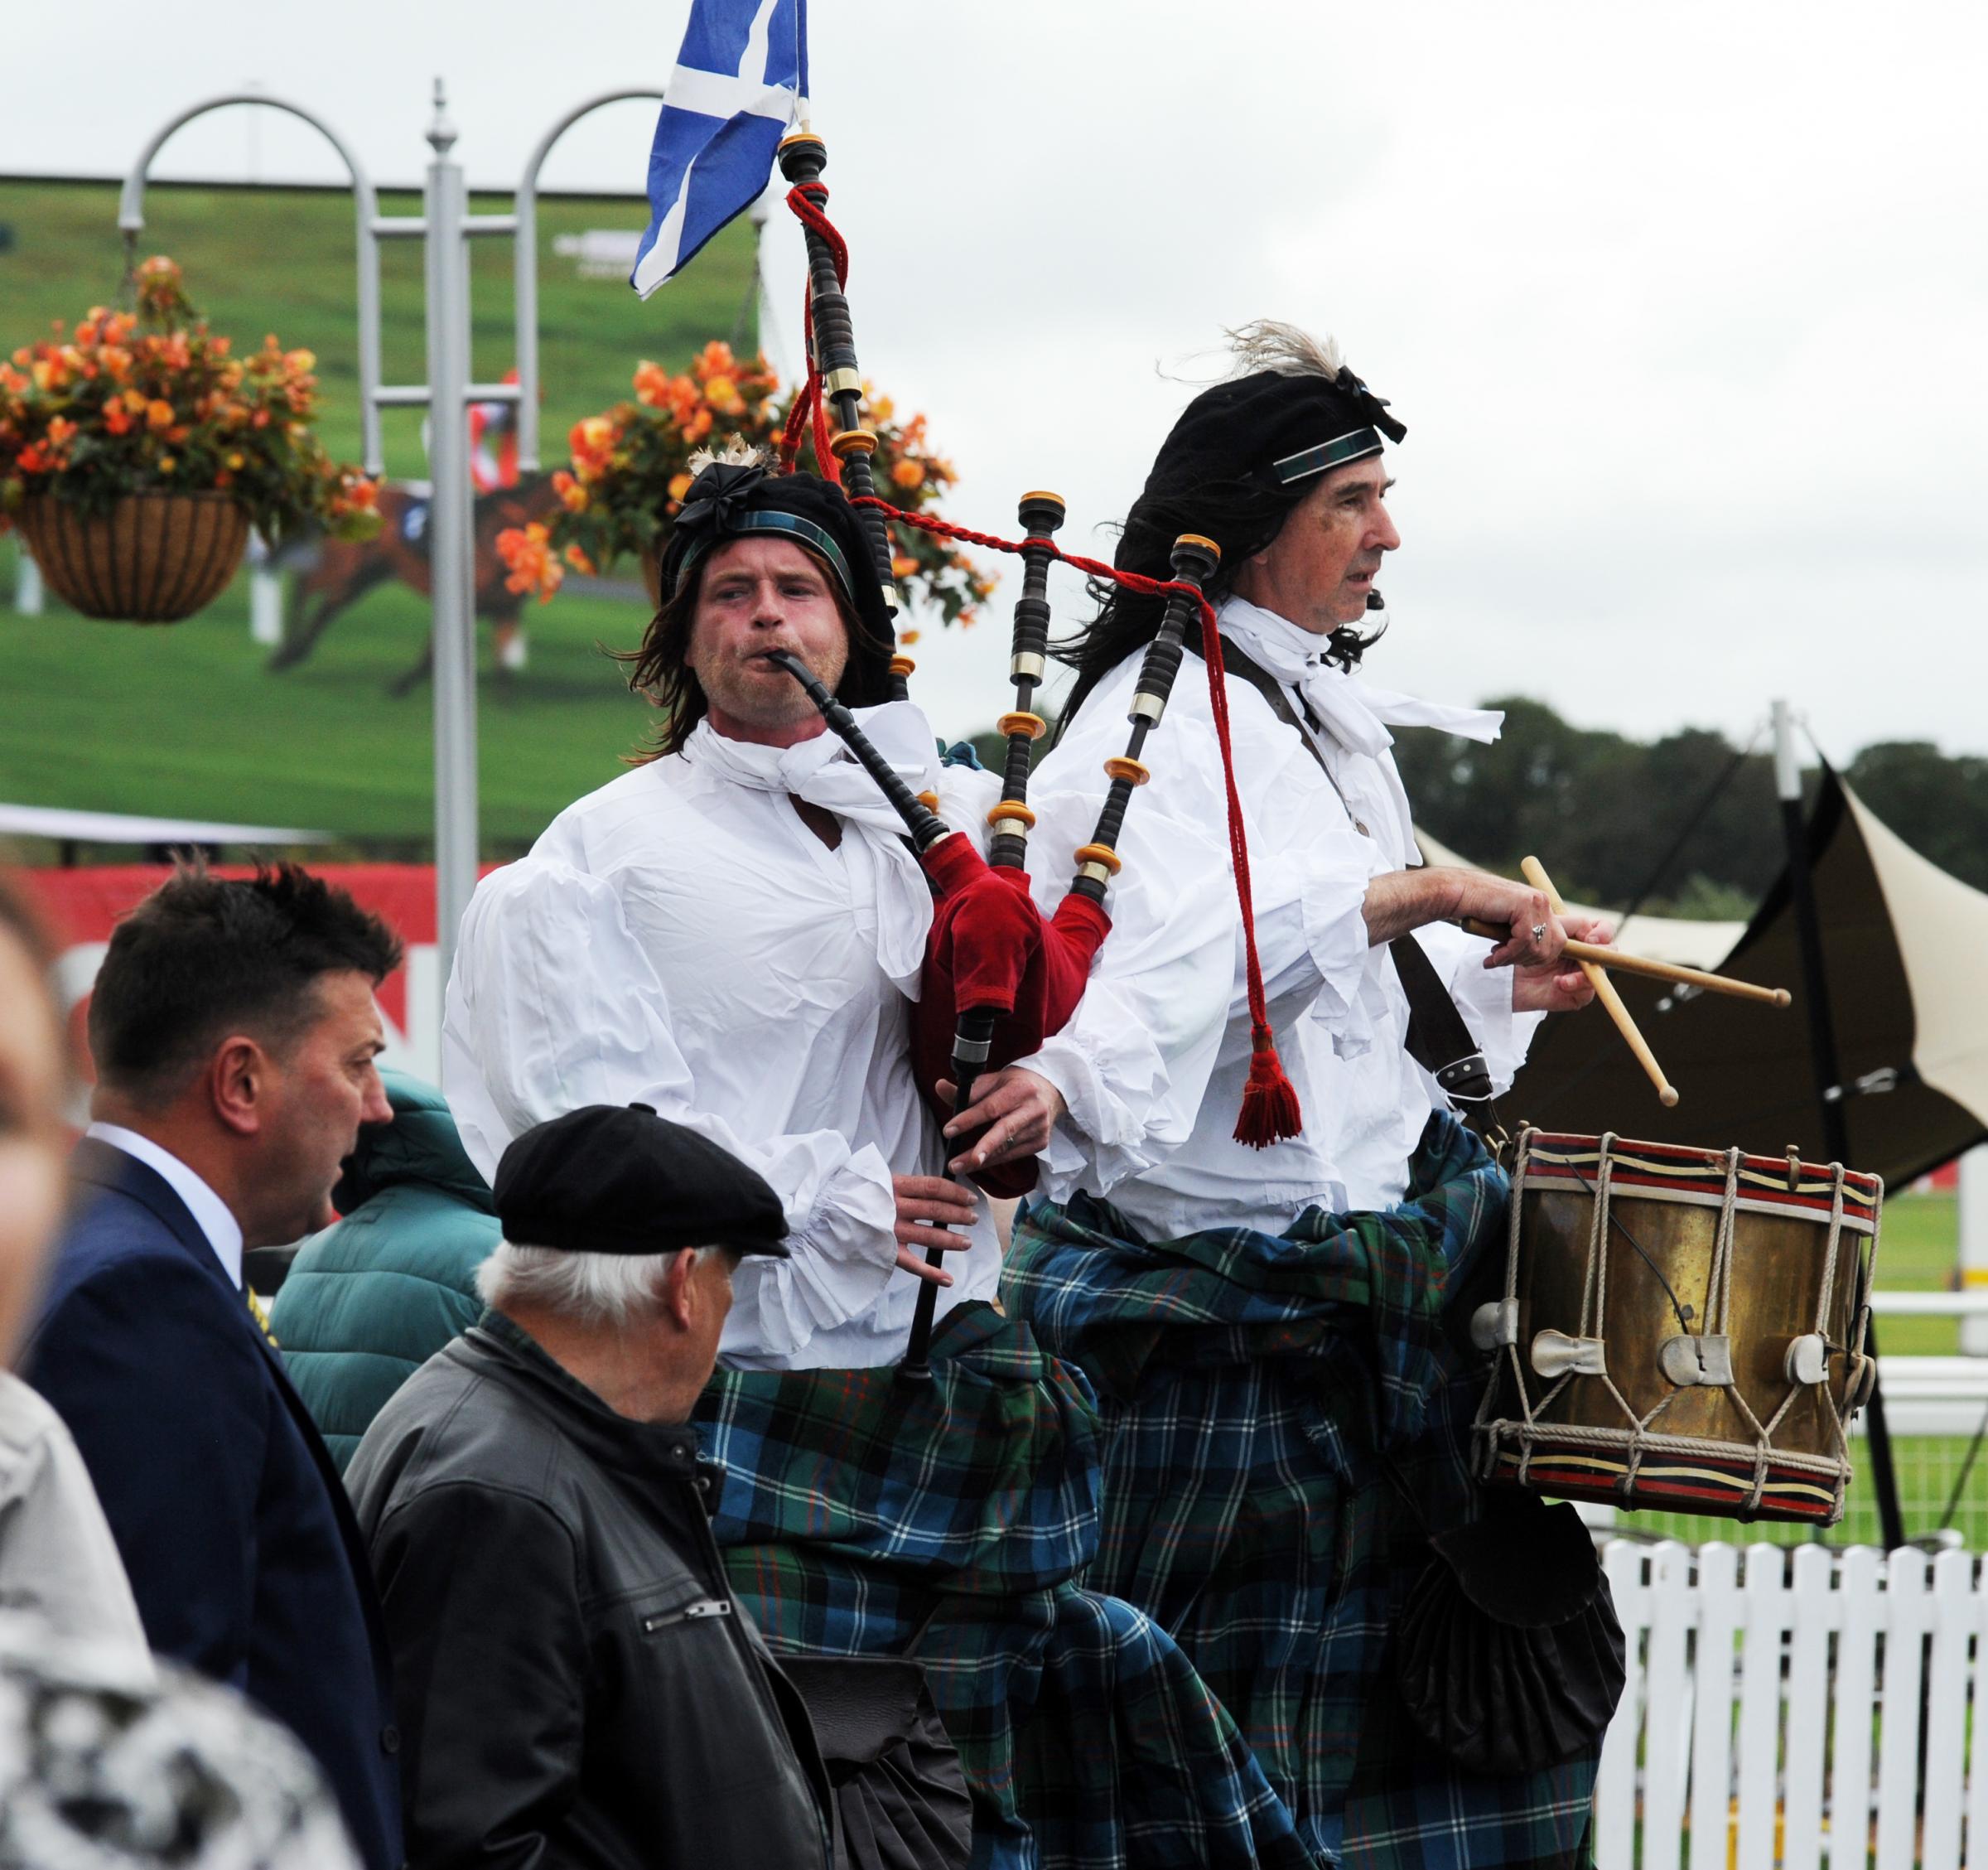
[1318, 571]
[757, 595]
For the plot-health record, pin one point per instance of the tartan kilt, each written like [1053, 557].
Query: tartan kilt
[1285, 1418]
[951, 1522]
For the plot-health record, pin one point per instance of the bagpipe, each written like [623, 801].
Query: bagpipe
[999, 976]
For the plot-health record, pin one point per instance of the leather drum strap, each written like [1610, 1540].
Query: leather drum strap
[1438, 1039]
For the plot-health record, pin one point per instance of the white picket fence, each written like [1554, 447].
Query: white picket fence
[1757, 1710]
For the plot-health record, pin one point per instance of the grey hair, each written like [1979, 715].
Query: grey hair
[1268, 344]
[588, 1289]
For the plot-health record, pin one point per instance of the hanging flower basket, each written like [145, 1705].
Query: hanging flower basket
[153, 558]
[631, 468]
[136, 449]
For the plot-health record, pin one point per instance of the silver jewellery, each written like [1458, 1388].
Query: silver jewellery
[1539, 933]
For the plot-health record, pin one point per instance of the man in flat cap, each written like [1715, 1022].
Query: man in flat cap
[575, 1682]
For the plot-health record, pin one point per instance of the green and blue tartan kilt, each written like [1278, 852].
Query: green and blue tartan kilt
[951, 1522]
[1285, 1419]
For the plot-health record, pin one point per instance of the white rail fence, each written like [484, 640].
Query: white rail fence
[1819, 1707]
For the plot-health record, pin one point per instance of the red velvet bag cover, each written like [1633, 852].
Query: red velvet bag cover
[989, 946]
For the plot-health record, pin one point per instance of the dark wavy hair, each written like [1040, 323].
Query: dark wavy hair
[204, 956]
[1216, 475]
[1241, 516]
[660, 672]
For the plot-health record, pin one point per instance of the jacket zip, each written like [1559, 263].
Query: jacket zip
[704, 1608]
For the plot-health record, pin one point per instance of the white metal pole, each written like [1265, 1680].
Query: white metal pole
[28, 598]
[265, 596]
[525, 275]
[451, 520]
[1974, 1244]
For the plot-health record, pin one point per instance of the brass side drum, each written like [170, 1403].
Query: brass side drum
[1682, 1329]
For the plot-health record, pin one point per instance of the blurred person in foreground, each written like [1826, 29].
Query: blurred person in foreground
[368, 1301]
[58, 1562]
[576, 1682]
[234, 1032]
[109, 1757]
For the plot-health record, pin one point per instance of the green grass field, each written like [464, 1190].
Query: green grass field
[187, 721]
[184, 722]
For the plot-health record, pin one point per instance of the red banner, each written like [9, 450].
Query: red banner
[83, 904]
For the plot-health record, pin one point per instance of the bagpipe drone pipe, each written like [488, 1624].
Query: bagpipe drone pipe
[999, 977]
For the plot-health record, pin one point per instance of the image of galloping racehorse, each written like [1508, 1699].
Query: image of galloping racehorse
[345, 571]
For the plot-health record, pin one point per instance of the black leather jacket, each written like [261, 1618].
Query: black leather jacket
[575, 1684]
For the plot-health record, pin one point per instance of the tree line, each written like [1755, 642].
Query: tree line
[1686, 824]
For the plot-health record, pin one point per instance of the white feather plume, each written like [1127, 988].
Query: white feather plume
[1269, 344]
[737, 452]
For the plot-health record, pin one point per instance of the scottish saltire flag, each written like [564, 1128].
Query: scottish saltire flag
[741, 79]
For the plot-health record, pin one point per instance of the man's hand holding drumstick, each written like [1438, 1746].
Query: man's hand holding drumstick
[1533, 936]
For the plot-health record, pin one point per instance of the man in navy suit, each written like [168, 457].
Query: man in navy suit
[234, 1032]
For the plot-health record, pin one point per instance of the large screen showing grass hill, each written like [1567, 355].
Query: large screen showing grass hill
[324, 722]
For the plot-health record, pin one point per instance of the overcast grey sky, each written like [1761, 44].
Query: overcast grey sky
[1683, 305]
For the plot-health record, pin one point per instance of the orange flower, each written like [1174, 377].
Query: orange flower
[579, 561]
[907, 637]
[679, 485]
[135, 400]
[166, 464]
[158, 414]
[908, 474]
[533, 568]
[902, 567]
[652, 383]
[722, 394]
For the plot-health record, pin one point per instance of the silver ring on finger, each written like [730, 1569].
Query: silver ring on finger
[1539, 933]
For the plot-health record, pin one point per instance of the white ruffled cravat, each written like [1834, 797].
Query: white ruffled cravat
[1351, 709]
[822, 772]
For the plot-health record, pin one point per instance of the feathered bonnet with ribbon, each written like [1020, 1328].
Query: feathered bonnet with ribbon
[738, 497]
[1242, 457]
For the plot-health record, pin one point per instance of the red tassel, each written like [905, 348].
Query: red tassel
[1270, 1100]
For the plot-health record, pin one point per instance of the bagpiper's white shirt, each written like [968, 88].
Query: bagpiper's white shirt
[1336, 1004]
[681, 939]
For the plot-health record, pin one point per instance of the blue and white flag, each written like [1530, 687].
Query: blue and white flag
[741, 79]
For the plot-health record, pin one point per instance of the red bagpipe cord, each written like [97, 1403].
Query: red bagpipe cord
[1270, 1100]
[806, 199]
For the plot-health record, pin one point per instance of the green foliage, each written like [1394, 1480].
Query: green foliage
[1938, 805]
[1603, 810]
[154, 403]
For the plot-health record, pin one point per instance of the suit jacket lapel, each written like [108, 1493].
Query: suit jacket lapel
[105, 1165]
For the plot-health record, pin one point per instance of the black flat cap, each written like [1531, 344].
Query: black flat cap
[619, 1179]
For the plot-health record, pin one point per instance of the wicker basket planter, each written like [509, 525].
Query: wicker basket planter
[154, 558]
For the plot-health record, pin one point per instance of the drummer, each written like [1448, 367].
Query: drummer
[1287, 1355]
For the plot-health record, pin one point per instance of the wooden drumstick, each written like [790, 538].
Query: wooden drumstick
[1614, 958]
[1534, 873]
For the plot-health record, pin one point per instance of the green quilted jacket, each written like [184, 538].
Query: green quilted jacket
[368, 1301]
